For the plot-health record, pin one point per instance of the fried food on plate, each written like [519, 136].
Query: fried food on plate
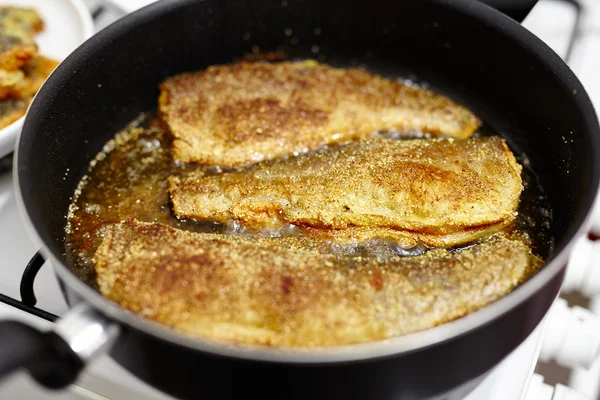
[36, 72]
[22, 69]
[25, 82]
[18, 27]
[11, 110]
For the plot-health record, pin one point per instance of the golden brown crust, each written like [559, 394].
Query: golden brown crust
[407, 239]
[16, 56]
[36, 73]
[237, 114]
[281, 292]
[9, 83]
[433, 187]
[21, 18]
[22, 70]
[11, 110]
[18, 27]
[25, 82]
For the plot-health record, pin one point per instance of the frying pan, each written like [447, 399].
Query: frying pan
[465, 49]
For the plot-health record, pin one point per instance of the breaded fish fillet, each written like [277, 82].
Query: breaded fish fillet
[407, 239]
[36, 72]
[238, 114]
[11, 110]
[18, 27]
[10, 82]
[274, 292]
[433, 187]
[15, 95]
[24, 19]
[25, 82]
[14, 52]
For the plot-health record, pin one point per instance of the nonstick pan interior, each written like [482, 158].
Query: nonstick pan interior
[520, 88]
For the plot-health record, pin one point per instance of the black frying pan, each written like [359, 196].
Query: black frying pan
[464, 49]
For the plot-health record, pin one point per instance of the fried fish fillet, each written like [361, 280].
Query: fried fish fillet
[14, 51]
[22, 71]
[276, 292]
[430, 189]
[18, 27]
[25, 82]
[10, 82]
[36, 72]
[12, 109]
[238, 114]
[407, 239]
[24, 21]
[15, 95]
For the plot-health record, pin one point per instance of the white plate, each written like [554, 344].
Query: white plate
[68, 23]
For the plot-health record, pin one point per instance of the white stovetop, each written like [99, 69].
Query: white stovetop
[105, 379]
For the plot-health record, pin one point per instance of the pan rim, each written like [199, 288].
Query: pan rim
[363, 351]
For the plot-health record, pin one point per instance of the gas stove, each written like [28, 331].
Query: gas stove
[571, 29]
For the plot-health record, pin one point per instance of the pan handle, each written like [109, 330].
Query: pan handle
[56, 358]
[516, 9]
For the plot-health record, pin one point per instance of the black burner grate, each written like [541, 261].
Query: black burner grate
[6, 164]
